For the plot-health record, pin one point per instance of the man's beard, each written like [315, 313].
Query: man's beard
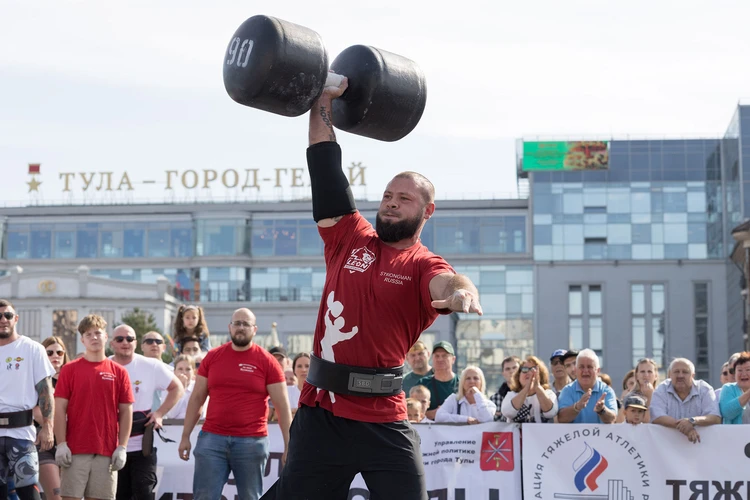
[392, 232]
[6, 335]
[241, 342]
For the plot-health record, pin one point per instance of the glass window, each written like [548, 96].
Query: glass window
[310, 242]
[575, 301]
[87, 241]
[111, 240]
[286, 239]
[427, 237]
[543, 235]
[657, 299]
[221, 237]
[595, 300]
[675, 233]
[638, 299]
[696, 202]
[641, 233]
[158, 242]
[619, 233]
[65, 244]
[575, 329]
[675, 202]
[641, 202]
[18, 245]
[445, 238]
[182, 242]
[133, 240]
[618, 202]
[573, 234]
[638, 330]
[676, 251]
[596, 339]
[572, 203]
[697, 233]
[697, 251]
[262, 238]
[41, 243]
[542, 252]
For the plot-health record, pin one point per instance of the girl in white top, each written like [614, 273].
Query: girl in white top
[530, 399]
[469, 405]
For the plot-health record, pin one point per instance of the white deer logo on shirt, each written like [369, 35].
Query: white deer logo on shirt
[333, 334]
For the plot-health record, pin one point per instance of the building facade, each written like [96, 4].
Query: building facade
[631, 260]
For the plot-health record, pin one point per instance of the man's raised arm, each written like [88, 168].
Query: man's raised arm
[331, 195]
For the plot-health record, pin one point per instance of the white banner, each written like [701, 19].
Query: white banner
[468, 462]
[627, 462]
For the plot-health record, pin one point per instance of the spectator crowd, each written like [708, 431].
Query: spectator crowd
[107, 409]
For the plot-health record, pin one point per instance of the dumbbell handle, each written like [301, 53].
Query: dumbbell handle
[334, 80]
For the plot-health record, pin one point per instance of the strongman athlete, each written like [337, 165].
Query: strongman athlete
[383, 288]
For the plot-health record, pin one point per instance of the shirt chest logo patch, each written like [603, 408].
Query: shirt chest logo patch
[247, 367]
[359, 260]
[137, 383]
[110, 377]
[393, 278]
[13, 362]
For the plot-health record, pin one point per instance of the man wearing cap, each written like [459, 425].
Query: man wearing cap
[559, 374]
[635, 408]
[419, 361]
[509, 366]
[281, 356]
[569, 360]
[443, 382]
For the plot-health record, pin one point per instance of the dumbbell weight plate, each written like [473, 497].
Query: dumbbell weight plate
[275, 66]
[386, 95]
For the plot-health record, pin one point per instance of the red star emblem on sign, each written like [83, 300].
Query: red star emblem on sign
[497, 451]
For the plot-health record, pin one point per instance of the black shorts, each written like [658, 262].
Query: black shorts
[326, 452]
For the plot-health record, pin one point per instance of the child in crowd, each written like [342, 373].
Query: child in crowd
[422, 394]
[414, 410]
[190, 322]
[635, 409]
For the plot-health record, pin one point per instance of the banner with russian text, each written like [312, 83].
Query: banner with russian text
[627, 462]
[466, 462]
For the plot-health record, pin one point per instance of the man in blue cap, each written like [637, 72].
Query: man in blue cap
[559, 373]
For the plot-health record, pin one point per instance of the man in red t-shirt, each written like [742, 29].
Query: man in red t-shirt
[95, 392]
[383, 289]
[239, 376]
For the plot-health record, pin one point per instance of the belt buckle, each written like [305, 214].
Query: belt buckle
[381, 383]
[5, 421]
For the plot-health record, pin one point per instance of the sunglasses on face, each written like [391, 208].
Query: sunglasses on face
[59, 353]
[8, 315]
[527, 369]
[725, 373]
[556, 362]
[120, 340]
[153, 341]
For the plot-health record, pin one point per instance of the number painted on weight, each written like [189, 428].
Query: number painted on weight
[233, 49]
[237, 51]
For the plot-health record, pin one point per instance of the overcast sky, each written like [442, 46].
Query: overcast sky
[90, 86]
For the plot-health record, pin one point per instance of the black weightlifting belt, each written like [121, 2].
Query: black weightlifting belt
[15, 419]
[354, 380]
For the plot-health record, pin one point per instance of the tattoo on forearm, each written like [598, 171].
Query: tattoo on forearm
[44, 389]
[325, 114]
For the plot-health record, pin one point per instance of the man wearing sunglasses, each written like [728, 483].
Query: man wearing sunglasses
[25, 379]
[147, 376]
[153, 345]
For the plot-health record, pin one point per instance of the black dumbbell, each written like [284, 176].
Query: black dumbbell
[281, 67]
